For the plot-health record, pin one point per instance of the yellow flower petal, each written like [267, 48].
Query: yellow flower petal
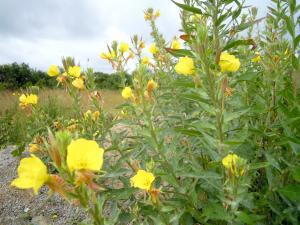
[124, 47]
[176, 44]
[32, 174]
[30, 99]
[78, 83]
[84, 154]
[153, 49]
[53, 71]
[142, 180]
[127, 93]
[185, 66]
[229, 63]
[256, 58]
[74, 71]
[145, 60]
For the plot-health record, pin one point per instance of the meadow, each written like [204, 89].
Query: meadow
[206, 132]
[10, 100]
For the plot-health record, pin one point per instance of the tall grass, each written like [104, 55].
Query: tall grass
[55, 103]
[57, 100]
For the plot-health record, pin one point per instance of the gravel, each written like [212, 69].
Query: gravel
[20, 207]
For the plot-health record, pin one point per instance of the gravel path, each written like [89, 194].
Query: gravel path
[20, 207]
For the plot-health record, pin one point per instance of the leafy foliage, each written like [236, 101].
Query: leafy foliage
[217, 132]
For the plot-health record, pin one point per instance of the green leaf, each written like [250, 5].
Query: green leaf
[292, 192]
[295, 61]
[296, 174]
[215, 211]
[248, 76]
[185, 83]
[194, 97]
[188, 8]
[296, 41]
[243, 26]
[289, 25]
[231, 116]
[18, 151]
[179, 52]
[249, 218]
[233, 44]
[259, 165]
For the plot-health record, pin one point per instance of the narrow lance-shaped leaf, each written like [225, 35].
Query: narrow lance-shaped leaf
[240, 42]
[179, 52]
[188, 8]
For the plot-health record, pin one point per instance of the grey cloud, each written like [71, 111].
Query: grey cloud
[49, 18]
[39, 32]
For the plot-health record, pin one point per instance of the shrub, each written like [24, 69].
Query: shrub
[209, 133]
[13, 76]
[109, 81]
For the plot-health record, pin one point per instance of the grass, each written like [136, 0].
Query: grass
[9, 100]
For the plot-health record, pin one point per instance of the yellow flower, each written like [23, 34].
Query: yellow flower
[229, 161]
[108, 56]
[153, 49]
[124, 47]
[176, 44]
[145, 60]
[196, 17]
[78, 83]
[28, 99]
[32, 174]
[32, 99]
[287, 52]
[256, 58]
[84, 155]
[229, 63]
[33, 148]
[96, 115]
[87, 114]
[142, 180]
[124, 112]
[234, 163]
[148, 15]
[74, 71]
[22, 100]
[151, 86]
[185, 66]
[53, 71]
[104, 55]
[156, 14]
[127, 93]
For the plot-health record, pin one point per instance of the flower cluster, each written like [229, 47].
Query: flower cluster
[82, 154]
[72, 72]
[27, 100]
[150, 14]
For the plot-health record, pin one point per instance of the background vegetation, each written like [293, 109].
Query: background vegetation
[14, 76]
[214, 123]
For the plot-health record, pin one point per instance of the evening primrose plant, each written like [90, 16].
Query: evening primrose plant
[208, 132]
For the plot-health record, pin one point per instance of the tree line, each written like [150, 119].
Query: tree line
[15, 76]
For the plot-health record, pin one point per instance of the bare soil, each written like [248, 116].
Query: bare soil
[21, 207]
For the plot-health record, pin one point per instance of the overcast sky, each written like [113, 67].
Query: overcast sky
[40, 32]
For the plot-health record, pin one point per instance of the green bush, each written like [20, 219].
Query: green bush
[13, 76]
[109, 81]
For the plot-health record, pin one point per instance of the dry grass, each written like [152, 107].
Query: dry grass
[9, 100]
